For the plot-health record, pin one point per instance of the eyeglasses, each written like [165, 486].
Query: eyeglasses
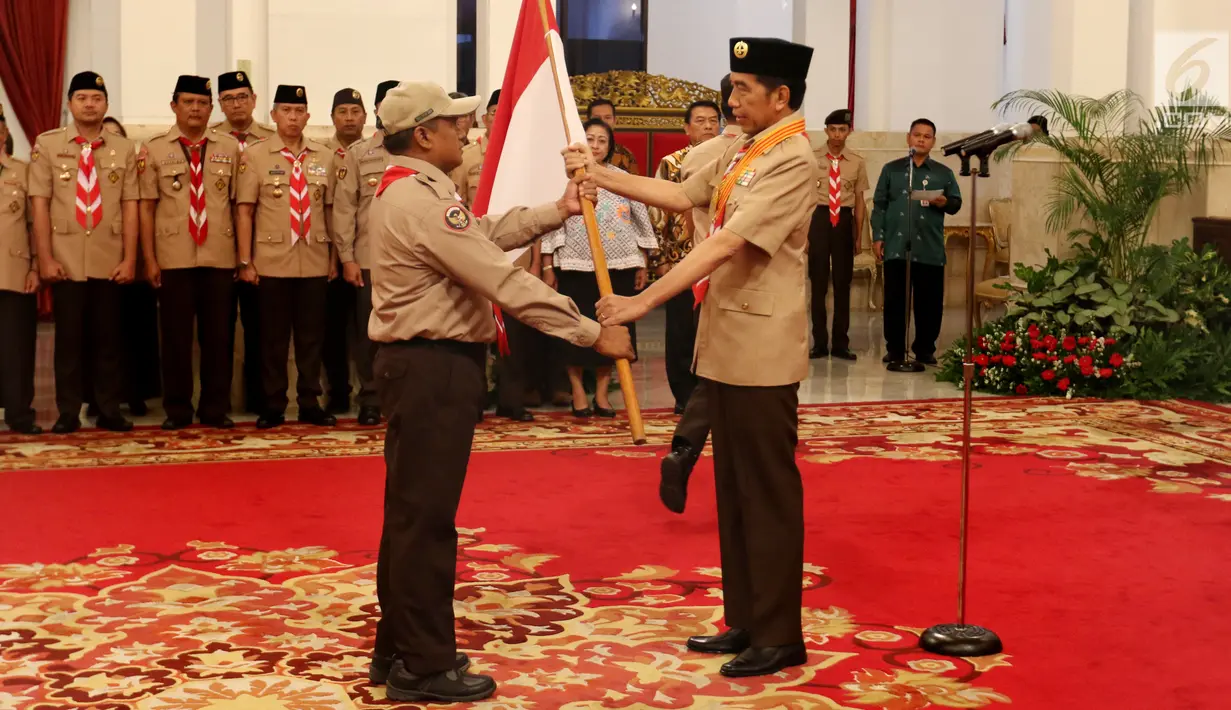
[234, 99]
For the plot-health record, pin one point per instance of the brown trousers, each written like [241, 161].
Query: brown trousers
[203, 296]
[760, 509]
[432, 393]
[292, 306]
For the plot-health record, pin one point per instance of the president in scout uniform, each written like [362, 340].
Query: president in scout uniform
[238, 100]
[282, 211]
[833, 240]
[357, 179]
[187, 176]
[83, 192]
[437, 271]
[752, 343]
[18, 305]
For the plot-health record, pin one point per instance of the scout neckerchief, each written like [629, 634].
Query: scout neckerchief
[242, 137]
[393, 173]
[198, 224]
[89, 196]
[735, 171]
[835, 189]
[301, 203]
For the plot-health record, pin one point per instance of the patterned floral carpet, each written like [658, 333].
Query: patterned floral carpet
[272, 606]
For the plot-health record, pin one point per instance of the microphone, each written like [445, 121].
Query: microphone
[911, 152]
[958, 145]
[1019, 132]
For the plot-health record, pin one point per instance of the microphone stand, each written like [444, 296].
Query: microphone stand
[909, 364]
[962, 639]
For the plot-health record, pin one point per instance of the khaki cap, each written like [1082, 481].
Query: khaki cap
[413, 103]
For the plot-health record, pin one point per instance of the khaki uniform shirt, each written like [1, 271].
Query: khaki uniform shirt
[436, 268]
[698, 159]
[265, 182]
[16, 244]
[754, 321]
[358, 176]
[466, 176]
[255, 132]
[162, 166]
[853, 170]
[92, 254]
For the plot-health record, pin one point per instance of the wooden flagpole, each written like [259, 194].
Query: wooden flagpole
[623, 369]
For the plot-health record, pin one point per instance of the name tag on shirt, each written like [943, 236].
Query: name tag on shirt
[277, 171]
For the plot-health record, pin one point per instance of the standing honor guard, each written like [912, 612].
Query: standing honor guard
[83, 190]
[187, 178]
[238, 100]
[752, 343]
[357, 179]
[437, 270]
[18, 304]
[285, 189]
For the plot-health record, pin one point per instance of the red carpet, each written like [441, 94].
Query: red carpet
[1098, 531]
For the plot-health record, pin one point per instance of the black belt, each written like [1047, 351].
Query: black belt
[472, 350]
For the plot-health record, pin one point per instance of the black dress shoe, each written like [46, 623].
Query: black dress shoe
[116, 423]
[604, 412]
[517, 415]
[674, 471]
[269, 421]
[378, 671]
[369, 416]
[338, 405]
[25, 428]
[729, 641]
[449, 687]
[845, 354]
[138, 408]
[317, 416]
[171, 423]
[679, 409]
[890, 357]
[66, 424]
[818, 353]
[223, 422]
[765, 661]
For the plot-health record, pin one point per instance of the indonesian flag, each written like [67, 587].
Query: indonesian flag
[523, 165]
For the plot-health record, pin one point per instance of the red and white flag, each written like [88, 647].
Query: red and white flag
[523, 165]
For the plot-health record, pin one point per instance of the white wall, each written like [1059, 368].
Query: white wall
[497, 22]
[689, 39]
[824, 26]
[1186, 42]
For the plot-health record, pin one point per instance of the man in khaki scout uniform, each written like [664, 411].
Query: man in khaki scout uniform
[436, 272]
[83, 190]
[693, 428]
[238, 100]
[282, 216]
[752, 343]
[348, 116]
[187, 178]
[18, 304]
[833, 240]
[357, 179]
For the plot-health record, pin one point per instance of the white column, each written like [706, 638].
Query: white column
[146, 80]
[1178, 45]
[1076, 47]
[248, 35]
[690, 39]
[824, 25]
[93, 44]
[497, 23]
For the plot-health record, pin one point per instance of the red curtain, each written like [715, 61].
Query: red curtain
[32, 39]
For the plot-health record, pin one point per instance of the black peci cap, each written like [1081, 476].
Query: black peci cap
[188, 84]
[87, 81]
[383, 88]
[494, 100]
[840, 117]
[769, 56]
[290, 94]
[233, 80]
[346, 97]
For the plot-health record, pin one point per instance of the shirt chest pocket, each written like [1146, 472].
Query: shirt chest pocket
[370, 174]
[173, 178]
[12, 191]
[744, 300]
[218, 177]
[274, 187]
[111, 173]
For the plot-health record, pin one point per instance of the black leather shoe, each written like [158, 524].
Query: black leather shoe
[845, 354]
[449, 687]
[269, 421]
[317, 417]
[378, 671]
[25, 428]
[890, 357]
[339, 405]
[369, 416]
[517, 415]
[116, 423]
[66, 424]
[729, 641]
[679, 409]
[138, 408]
[604, 412]
[171, 423]
[674, 471]
[765, 661]
[818, 353]
[223, 422]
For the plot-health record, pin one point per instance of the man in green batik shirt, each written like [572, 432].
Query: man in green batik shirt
[903, 228]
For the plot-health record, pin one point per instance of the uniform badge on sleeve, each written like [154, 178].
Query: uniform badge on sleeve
[342, 173]
[457, 219]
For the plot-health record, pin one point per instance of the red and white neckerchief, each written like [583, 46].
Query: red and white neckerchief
[242, 137]
[89, 195]
[393, 173]
[835, 189]
[198, 222]
[301, 201]
[700, 288]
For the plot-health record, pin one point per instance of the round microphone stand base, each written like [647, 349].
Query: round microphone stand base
[960, 640]
[907, 366]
